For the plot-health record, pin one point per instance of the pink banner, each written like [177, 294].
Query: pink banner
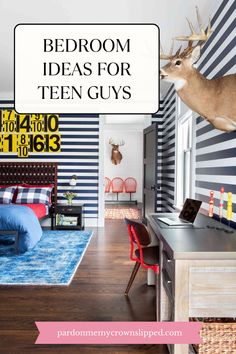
[118, 332]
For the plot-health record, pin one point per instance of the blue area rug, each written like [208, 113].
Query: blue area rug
[53, 261]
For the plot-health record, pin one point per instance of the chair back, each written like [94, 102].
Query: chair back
[130, 185]
[117, 185]
[138, 232]
[107, 185]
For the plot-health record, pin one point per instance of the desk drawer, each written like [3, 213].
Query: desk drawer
[168, 285]
[168, 265]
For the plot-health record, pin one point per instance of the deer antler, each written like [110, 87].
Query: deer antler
[194, 36]
[188, 50]
[111, 141]
[122, 143]
[171, 55]
[167, 56]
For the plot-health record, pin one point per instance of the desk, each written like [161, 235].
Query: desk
[197, 271]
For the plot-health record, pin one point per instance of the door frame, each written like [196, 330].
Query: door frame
[101, 161]
[101, 190]
[154, 127]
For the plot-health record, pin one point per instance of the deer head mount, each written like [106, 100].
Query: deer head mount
[116, 155]
[215, 99]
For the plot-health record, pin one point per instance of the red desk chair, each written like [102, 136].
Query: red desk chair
[130, 186]
[107, 185]
[147, 257]
[117, 186]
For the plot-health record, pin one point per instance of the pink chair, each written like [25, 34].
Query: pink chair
[117, 186]
[107, 185]
[130, 186]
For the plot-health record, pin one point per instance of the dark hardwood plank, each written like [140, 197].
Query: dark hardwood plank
[95, 294]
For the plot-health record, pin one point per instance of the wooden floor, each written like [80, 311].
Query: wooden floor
[95, 294]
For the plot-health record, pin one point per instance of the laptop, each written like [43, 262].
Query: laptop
[187, 215]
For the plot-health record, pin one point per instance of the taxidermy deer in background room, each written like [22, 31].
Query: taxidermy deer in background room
[116, 155]
[213, 99]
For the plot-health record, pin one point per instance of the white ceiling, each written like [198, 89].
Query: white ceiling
[127, 122]
[125, 119]
[169, 15]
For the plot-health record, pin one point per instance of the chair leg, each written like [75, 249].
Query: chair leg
[158, 294]
[132, 277]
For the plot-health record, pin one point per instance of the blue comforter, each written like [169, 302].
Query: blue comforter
[22, 219]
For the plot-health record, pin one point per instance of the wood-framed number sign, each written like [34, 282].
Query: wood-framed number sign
[29, 133]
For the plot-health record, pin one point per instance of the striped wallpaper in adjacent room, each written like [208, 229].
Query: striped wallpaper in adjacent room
[216, 150]
[79, 155]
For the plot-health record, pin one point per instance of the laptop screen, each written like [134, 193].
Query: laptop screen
[190, 210]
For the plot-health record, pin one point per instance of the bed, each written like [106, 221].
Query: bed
[23, 220]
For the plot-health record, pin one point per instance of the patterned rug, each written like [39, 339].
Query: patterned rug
[53, 261]
[121, 213]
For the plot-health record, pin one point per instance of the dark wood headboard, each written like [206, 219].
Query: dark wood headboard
[35, 173]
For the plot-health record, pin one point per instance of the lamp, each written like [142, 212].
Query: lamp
[73, 180]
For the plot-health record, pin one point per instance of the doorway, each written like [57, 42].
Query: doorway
[127, 133]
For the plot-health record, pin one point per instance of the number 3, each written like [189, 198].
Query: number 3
[54, 143]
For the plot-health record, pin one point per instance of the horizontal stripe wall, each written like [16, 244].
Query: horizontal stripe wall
[79, 155]
[158, 119]
[216, 150]
[166, 151]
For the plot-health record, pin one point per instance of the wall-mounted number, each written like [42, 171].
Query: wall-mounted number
[45, 143]
[37, 126]
[23, 139]
[36, 116]
[1, 120]
[37, 143]
[9, 126]
[8, 114]
[52, 142]
[23, 151]
[9, 143]
[23, 123]
[25, 133]
[1, 142]
[51, 124]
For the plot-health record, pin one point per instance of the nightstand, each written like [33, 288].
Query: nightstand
[68, 217]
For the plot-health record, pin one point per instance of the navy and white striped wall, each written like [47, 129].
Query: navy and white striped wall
[158, 119]
[166, 151]
[216, 150]
[79, 155]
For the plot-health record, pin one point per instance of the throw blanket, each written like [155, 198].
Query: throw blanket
[21, 219]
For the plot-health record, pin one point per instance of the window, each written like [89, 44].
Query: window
[184, 163]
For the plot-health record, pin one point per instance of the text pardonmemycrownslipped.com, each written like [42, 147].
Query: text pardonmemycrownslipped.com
[102, 68]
